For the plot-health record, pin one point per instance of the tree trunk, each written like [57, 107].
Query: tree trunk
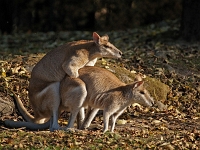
[190, 23]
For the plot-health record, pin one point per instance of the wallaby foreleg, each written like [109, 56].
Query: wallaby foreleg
[73, 95]
[114, 118]
[89, 117]
[106, 116]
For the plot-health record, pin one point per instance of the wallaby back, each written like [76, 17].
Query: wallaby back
[101, 82]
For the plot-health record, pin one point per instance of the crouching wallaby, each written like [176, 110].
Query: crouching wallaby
[44, 87]
[104, 92]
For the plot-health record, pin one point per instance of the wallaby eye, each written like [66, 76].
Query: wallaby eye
[141, 92]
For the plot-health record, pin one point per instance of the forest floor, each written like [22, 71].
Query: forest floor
[155, 50]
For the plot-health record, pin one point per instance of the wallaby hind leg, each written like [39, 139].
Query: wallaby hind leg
[73, 94]
[54, 121]
[54, 103]
[106, 117]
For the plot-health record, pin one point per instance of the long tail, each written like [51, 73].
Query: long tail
[28, 125]
[25, 114]
[27, 117]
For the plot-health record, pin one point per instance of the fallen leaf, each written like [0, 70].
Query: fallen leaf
[121, 121]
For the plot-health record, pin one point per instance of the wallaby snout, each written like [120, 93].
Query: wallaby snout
[149, 99]
[151, 102]
[112, 51]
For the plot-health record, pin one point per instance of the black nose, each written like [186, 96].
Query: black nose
[153, 102]
[120, 53]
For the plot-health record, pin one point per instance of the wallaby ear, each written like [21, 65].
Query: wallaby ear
[138, 77]
[138, 84]
[105, 38]
[96, 38]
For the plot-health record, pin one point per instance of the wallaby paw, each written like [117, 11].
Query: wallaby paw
[105, 130]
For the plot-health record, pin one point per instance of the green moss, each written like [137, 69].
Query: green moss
[157, 89]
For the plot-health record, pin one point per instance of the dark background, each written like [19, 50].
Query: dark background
[63, 15]
[105, 15]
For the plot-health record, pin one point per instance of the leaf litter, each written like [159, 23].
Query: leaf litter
[155, 51]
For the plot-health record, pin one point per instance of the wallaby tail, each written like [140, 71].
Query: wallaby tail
[25, 114]
[28, 125]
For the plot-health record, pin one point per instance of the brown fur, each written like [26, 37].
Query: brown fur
[45, 79]
[105, 92]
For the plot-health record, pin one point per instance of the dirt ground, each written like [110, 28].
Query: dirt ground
[149, 51]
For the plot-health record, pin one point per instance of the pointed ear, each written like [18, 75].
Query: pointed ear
[138, 84]
[138, 78]
[96, 38]
[105, 38]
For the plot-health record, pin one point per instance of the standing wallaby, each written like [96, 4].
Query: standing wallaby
[104, 92]
[44, 87]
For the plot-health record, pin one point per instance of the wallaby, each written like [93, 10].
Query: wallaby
[104, 92]
[44, 86]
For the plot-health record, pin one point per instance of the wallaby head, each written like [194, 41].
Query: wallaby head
[105, 47]
[140, 95]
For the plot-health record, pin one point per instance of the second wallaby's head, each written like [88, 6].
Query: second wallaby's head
[141, 95]
[105, 47]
